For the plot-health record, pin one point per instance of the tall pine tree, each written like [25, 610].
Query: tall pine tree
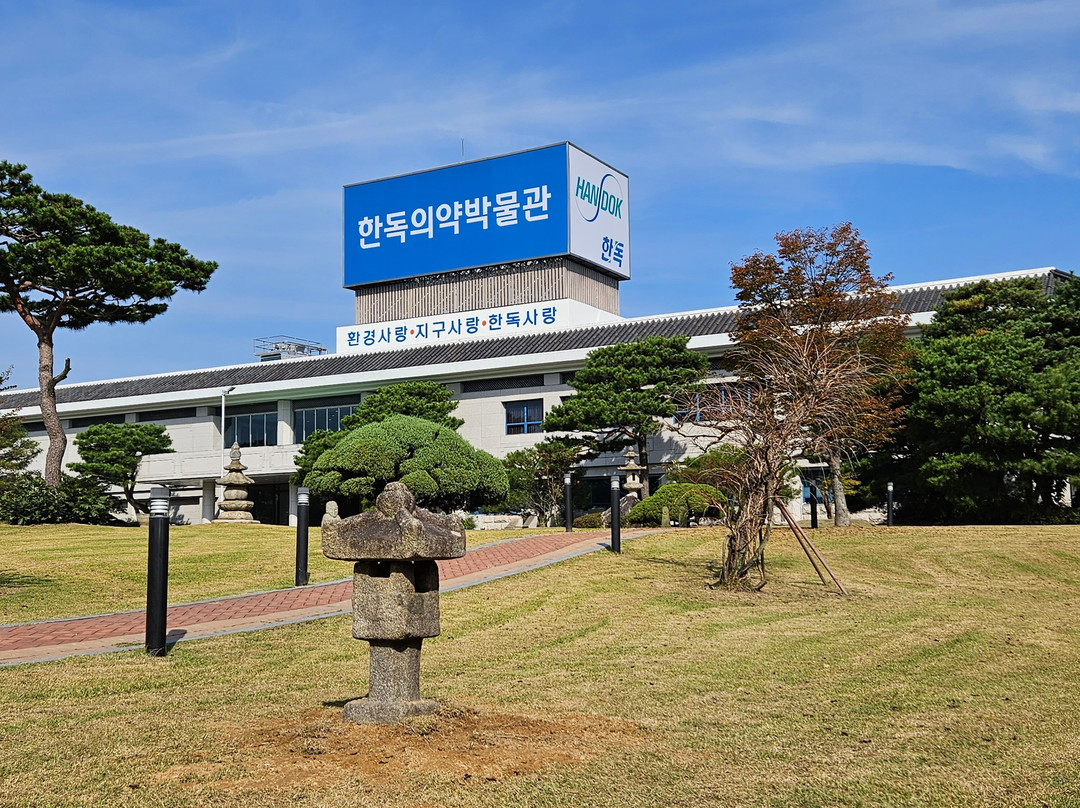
[992, 429]
[66, 265]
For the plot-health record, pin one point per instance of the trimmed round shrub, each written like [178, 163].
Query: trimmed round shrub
[677, 497]
[590, 521]
[434, 462]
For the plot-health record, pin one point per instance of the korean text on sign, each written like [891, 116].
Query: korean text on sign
[508, 209]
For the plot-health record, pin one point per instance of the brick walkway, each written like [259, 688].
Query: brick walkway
[36, 642]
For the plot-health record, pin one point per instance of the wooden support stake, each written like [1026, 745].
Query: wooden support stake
[799, 533]
[798, 537]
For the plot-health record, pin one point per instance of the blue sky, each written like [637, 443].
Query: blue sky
[949, 133]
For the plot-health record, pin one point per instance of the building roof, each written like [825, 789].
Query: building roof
[914, 299]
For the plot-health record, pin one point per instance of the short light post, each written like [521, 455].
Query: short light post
[303, 510]
[813, 506]
[568, 504]
[888, 504]
[157, 572]
[616, 516]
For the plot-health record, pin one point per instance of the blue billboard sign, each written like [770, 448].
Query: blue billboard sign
[494, 211]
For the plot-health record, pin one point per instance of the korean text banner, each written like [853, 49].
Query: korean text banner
[493, 211]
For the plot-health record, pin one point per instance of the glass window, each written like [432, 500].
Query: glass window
[690, 412]
[307, 421]
[599, 491]
[524, 416]
[94, 420]
[243, 430]
[710, 404]
[259, 429]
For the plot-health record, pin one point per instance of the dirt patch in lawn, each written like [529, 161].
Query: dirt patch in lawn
[462, 745]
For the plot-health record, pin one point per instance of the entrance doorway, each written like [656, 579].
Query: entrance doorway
[271, 503]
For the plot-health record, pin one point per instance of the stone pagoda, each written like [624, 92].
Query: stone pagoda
[235, 507]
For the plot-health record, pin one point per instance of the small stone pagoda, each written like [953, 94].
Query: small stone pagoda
[235, 507]
[395, 595]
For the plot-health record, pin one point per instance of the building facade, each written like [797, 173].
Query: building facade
[504, 386]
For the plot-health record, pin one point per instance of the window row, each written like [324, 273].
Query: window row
[260, 429]
[256, 429]
[307, 421]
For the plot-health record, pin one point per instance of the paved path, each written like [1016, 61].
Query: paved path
[53, 639]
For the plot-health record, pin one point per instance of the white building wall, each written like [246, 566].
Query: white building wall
[189, 471]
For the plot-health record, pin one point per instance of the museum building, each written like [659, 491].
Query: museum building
[495, 278]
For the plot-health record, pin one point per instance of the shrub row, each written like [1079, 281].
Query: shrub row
[27, 500]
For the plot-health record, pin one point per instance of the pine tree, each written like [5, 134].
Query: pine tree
[622, 393]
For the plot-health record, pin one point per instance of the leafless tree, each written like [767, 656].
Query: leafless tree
[799, 393]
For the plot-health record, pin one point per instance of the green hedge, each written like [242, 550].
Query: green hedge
[677, 497]
[590, 521]
[80, 499]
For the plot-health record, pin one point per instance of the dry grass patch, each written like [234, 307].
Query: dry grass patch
[948, 678]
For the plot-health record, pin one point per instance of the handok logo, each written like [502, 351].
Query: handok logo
[591, 199]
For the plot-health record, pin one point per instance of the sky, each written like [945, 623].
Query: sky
[947, 132]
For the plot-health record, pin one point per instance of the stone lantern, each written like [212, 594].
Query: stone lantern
[395, 595]
[633, 471]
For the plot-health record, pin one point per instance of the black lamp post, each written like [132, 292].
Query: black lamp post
[616, 515]
[888, 504]
[303, 510]
[157, 572]
[568, 504]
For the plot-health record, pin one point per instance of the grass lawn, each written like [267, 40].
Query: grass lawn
[49, 571]
[948, 678]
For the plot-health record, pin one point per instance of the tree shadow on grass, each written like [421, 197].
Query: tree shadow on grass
[12, 580]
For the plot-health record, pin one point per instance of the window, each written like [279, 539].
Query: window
[600, 492]
[689, 411]
[711, 404]
[524, 416]
[311, 419]
[256, 429]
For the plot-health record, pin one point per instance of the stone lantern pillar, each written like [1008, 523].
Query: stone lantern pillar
[632, 470]
[395, 595]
